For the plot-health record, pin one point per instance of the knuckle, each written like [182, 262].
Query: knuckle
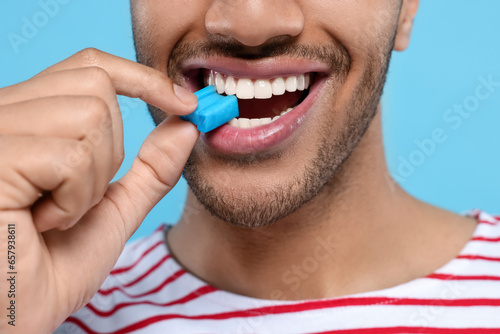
[164, 159]
[97, 197]
[97, 75]
[86, 163]
[69, 214]
[79, 155]
[95, 112]
[156, 79]
[90, 56]
[121, 156]
[100, 194]
[96, 81]
[153, 80]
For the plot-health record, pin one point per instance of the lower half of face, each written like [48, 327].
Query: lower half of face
[254, 173]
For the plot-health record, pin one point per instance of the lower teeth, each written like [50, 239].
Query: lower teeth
[245, 123]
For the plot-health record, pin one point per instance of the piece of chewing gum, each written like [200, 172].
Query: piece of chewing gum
[213, 109]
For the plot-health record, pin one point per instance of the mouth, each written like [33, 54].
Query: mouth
[273, 103]
[260, 101]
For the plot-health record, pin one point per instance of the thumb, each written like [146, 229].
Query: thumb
[95, 243]
[154, 172]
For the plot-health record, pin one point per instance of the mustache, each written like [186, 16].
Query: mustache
[334, 55]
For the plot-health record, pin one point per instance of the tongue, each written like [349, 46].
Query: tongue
[256, 108]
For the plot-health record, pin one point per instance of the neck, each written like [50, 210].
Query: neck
[361, 233]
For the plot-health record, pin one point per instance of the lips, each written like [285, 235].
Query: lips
[275, 99]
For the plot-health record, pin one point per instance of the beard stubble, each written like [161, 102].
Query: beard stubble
[264, 206]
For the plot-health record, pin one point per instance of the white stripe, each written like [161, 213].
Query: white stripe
[475, 268]
[348, 318]
[130, 255]
[306, 321]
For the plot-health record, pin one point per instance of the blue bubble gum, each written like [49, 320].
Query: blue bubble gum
[213, 109]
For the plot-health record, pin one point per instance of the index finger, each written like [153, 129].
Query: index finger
[133, 80]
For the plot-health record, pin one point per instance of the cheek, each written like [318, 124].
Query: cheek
[160, 24]
[359, 25]
[365, 29]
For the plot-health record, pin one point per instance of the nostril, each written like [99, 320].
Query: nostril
[253, 23]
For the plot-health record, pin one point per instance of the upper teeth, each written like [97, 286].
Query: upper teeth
[245, 88]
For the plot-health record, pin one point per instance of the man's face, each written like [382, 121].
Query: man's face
[337, 52]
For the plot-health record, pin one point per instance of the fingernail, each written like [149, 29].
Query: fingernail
[185, 96]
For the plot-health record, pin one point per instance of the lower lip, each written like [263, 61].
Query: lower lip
[232, 140]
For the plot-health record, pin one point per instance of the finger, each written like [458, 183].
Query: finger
[155, 171]
[34, 165]
[73, 117]
[90, 81]
[134, 80]
[55, 116]
[106, 228]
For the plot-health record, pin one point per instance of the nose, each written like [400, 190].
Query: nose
[253, 22]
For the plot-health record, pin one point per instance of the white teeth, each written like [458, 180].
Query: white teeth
[301, 82]
[245, 89]
[279, 86]
[230, 86]
[211, 78]
[291, 84]
[219, 83]
[263, 89]
[254, 122]
[245, 123]
[264, 121]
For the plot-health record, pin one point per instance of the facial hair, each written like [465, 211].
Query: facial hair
[264, 206]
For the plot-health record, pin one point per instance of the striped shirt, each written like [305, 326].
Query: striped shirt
[149, 292]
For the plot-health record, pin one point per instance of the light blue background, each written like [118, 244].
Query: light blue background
[455, 42]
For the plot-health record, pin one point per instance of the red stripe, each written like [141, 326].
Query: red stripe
[153, 268]
[124, 269]
[139, 243]
[308, 306]
[193, 295]
[482, 221]
[79, 323]
[159, 228]
[423, 330]
[464, 277]
[486, 239]
[170, 279]
[479, 257]
[374, 330]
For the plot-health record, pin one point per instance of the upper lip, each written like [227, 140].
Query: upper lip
[256, 69]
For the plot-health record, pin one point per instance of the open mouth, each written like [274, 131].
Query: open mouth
[275, 97]
[260, 101]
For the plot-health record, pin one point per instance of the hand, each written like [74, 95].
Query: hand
[61, 142]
